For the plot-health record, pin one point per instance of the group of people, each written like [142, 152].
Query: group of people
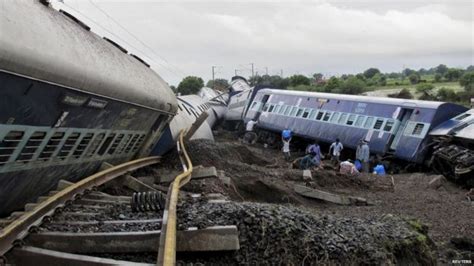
[313, 156]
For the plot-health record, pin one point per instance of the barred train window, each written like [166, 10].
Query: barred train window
[51, 146]
[418, 129]
[31, 147]
[138, 143]
[327, 115]
[342, 118]
[68, 145]
[300, 112]
[95, 144]
[9, 144]
[277, 109]
[334, 117]
[131, 143]
[123, 145]
[82, 145]
[378, 123]
[293, 110]
[306, 113]
[287, 110]
[320, 115]
[271, 108]
[359, 121]
[368, 122]
[106, 144]
[114, 146]
[351, 119]
[388, 126]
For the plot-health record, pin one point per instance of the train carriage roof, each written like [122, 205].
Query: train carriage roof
[39, 42]
[358, 98]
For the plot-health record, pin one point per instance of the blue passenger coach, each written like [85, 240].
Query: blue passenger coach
[392, 126]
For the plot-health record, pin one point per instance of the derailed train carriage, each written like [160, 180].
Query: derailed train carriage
[410, 130]
[453, 154]
[69, 100]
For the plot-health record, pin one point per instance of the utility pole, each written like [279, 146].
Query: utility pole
[213, 76]
[252, 69]
[266, 71]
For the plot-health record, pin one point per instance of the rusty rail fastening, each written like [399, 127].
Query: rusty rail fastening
[167, 245]
[19, 228]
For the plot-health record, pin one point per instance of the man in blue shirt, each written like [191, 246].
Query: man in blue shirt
[286, 138]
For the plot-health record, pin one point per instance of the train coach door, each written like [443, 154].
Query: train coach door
[262, 107]
[399, 127]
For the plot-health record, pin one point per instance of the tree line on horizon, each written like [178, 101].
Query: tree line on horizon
[370, 79]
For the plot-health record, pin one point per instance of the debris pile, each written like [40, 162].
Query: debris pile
[276, 234]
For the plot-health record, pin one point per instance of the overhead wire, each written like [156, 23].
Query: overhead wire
[121, 39]
[135, 37]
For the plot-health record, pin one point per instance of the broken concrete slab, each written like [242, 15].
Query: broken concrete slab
[225, 179]
[135, 184]
[204, 172]
[329, 197]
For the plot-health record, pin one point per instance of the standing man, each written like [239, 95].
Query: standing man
[336, 148]
[286, 138]
[250, 137]
[363, 156]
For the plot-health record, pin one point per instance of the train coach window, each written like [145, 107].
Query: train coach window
[342, 118]
[254, 106]
[306, 113]
[271, 108]
[418, 129]
[287, 110]
[277, 109]
[334, 117]
[131, 143]
[359, 121]
[388, 126]
[95, 144]
[312, 114]
[115, 145]
[293, 111]
[327, 115]
[106, 144]
[31, 146]
[319, 115]
[300, 112]
[123, 144]
[350, 120]
[9, 144]
[368, 122]
[265, 107]
[138, 143]
[82, 145]
[51, 146]
[378, 123]
[68, 145]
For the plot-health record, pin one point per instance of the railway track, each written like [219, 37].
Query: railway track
[79, 225]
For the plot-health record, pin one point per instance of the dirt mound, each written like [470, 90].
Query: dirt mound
[275, 234]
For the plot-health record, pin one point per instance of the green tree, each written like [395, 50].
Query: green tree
[447, 95]
[218, 84]
[352, 85]
[173, 88]
[414, 78]
[317, 77]
[371, 72]
[453, 74]
[296, 80]
[467, 81]
[426, 91]
[408, 72]
[437, 77]
[190, 85]
[332, 85]
[441, 69]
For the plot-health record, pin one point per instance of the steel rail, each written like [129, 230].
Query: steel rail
[19, 228]
[167, 247]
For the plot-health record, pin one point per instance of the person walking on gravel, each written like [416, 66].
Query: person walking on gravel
[250, 137]
[362, 154]
[336, 148]
[286, 138]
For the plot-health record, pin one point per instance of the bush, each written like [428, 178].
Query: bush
[467, 81]
[414, 78]
[447, 95]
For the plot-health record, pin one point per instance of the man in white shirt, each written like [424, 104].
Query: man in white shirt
[336, 148]
[250, 137]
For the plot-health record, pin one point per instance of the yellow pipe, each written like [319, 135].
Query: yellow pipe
[169, 257]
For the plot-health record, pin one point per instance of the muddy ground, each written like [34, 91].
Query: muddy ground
[261, 175]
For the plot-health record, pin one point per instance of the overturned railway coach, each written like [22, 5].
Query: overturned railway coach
[394, 127]
[69, 100]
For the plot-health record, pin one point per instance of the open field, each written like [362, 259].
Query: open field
[386, 90]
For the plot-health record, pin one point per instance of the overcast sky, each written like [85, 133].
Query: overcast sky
[295, 37]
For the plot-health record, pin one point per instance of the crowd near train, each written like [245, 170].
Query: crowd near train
[415, 132]
[71, 100]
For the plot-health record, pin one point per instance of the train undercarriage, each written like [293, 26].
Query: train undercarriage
[454, 162]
